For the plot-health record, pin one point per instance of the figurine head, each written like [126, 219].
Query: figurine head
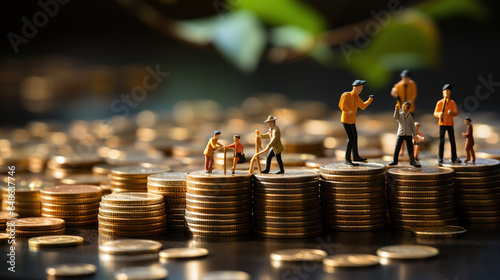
[467, 120]
[447, 91]
[236, 138]
[357, 86]
[217, 134]
[406, 107]
[417, 125]
[405, 76]
[271, 121]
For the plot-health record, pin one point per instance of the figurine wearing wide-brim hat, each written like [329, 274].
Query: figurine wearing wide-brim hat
[349, 104]
[445, 110]
[275, 147]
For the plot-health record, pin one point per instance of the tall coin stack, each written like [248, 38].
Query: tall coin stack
[353, 197]
[76, 204]
[131, 178]
[287, 205]
[25, 198]
[132, 214]
[172, 185]
[218, 205]
[477, 191]
[421, 197]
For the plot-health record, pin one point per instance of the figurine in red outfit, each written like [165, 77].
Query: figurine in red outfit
[469, 143]
[238, 155]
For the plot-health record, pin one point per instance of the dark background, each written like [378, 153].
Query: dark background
[104, 33]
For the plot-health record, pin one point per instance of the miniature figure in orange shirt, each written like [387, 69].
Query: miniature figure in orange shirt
[445, 110]
[416, 145]
[349, 104]
[238, 152]
[212, 145]
[405, 90]
[469, 143]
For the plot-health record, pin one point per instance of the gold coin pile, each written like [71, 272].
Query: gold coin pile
[353, 197]
[25, 198]
[132, 214]
[62, 166]
[308, 144]
[76, 204]
[421, 197]
[172, 186]
[477, 191]
[218, 205]
[39, 226]
[131, 178]
[4, 218]
[287, 205]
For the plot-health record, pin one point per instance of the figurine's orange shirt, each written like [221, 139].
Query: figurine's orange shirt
[409, 94]
[447, 119]
[350, 101]
[211, 145]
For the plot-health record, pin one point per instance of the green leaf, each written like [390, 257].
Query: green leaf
[443, 9]
[284, 12]
[409, 40]
[292, 36]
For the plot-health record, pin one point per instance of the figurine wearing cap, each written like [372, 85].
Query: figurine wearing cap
[213, 144]
[406, 131]
[469, 143]
[405, 90]
[275, 146]
[349, 104]
[445, 110]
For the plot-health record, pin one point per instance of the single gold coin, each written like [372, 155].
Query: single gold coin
[425, 173]
[439, 232]
[143, 227]
[351, 260]
[130, 246]
[39, 223]
[183, 253]
[295, 255]
[226, 275]
[131, 221]
[133, 208]
[70, 207]
[131, 214]
[71, 269]
[132, 198]
[142, 273]
[69, 201]
[71, 191]
[407, 252]
[168, 178]
[34, 233]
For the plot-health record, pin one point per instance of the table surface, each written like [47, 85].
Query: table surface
[476, 255]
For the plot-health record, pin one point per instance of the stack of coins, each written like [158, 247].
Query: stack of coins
[477, 191]
[309, 144]
[4, 218]
[132, 214]
[83, 179]
[76, 204]
[172, 185]
[421, 197]
[131, 178]
[38, 226]
[218, 205]
[62, 166]
[353, 197]
[287, 205]
[25, 198]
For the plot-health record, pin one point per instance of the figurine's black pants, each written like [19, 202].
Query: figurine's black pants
[270, 156]
[352, 141]
[451, 136]
[409, 145]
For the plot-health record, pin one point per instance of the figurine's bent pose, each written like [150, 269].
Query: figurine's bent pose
[238, 152]
[212, 145]
[349, 104]
[469, 143]
[406, 131]
[275, 146]
[445, 110]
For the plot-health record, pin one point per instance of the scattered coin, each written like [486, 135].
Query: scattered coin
[130, 246]
[142, 273]
[298, 255]
[183, 253]
[39, 223]
[71, 269]
[55, 241]
[226, 275]
[443, 231]
[351, 260]
[407, 252]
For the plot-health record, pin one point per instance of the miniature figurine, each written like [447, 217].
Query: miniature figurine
[416, 145]
[405, 91]
[349, 104]
[469, 143]
[445, 110]
[406, 131]
[238, 155]
[213, 144]
[275, 146]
